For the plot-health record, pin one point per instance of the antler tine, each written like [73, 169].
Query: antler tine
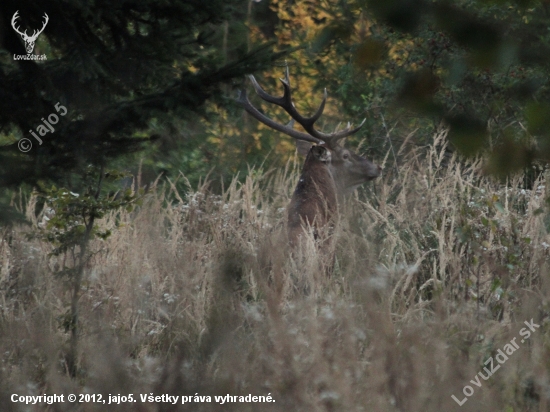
[46, 20]
[263, 94]
[333, 137]
[306, 122]
[286, 103]
[243, 99]
[17, 29]
[287, 74]
[37, 32]
[321, 108]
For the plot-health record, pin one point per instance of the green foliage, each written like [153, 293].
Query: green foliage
[124, 72]
[73, 216]
[479, 66]
[70, 224]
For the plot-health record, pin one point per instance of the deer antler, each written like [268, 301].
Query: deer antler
[286, 103]
[13, 19]
[287, 129]
[24, 34]
[37, 32]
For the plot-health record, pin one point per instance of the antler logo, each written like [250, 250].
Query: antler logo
[29, 40]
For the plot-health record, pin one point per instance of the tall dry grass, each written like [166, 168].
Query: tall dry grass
[437, 267]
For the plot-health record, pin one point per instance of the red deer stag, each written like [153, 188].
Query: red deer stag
[330, 170]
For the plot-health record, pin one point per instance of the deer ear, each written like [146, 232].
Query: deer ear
[321, 153]
[303, 147]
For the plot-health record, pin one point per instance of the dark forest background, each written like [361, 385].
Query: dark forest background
[155, 84]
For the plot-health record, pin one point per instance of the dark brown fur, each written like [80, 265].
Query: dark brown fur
[330, 172]
[314, 203]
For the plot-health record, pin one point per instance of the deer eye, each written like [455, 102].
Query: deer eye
[345, 156]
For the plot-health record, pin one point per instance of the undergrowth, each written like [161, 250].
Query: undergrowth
[437, 268]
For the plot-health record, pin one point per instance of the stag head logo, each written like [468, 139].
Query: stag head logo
[29, 40]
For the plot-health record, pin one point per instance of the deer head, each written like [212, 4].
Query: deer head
[29, 40]
[331, 171]
[348, 169]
